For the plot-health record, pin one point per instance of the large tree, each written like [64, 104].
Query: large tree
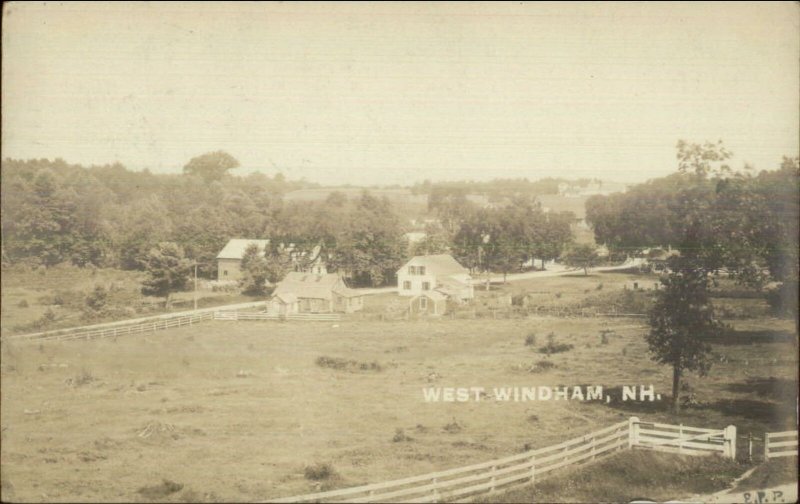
[211, 166]
[582, 256]
[254, 270]
[682, 323]
[167, 271]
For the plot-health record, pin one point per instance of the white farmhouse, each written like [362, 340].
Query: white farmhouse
[439, 273]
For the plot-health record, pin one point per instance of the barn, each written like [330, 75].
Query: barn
[229, 260]
[316, 294]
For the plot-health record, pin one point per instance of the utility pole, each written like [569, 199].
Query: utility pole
[195, 286]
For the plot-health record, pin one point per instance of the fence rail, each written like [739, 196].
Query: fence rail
[131, 326]
[123, 330]
[780, 444]
[525, 468]
[684, 439]
[237, 315]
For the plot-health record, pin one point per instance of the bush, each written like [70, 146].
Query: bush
[158, 492]
[400, 436]
[97, 299]
[22, 304]
[347, 364]
[604, 334]
[319, 472]
[552, 347]
[530, 339]
[542, 366]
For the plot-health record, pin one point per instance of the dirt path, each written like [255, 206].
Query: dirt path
[555, 270]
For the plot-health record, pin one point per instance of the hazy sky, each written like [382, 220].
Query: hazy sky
[396, 93]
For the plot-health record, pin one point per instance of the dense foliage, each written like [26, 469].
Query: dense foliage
[55, 212]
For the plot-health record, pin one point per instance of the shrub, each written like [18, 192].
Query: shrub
[542, 366]
[82, 378]
[558, 295]
[23, 304]
[453, 427]
[604, 334]
[552, 347]
[400, 436]
[158, 492]
[530, 339]
[97, 299]
[347, 364]
[599, 286]
[319, 472]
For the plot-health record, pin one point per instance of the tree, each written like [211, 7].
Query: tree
[581, 256]
[436, 241]
[211, 166]
[682, 323]
[254, 270]
[167, 270]
[97, 299]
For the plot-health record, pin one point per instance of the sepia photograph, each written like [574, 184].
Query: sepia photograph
[399, 252]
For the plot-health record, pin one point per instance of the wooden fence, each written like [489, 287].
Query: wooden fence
[237, 315]
[780, 444]
[683, 439]
[124, 330]
[468, 482]
[132, 326]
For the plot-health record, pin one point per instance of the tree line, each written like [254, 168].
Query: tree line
[109, 216]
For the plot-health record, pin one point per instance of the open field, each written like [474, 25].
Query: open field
[28, 294]
[237, 411]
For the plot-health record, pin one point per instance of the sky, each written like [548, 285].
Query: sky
[391, 93]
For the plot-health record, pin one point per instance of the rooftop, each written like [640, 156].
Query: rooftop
[235, 248]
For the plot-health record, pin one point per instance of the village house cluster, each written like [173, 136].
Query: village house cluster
[427, 281]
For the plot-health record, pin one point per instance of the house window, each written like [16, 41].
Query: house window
[421, 270]
[412, 270]
[426, 286]
[406, 285]
[423, 303]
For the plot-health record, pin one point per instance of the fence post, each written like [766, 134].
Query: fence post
[730, 441]
[633, 431]
[533, 469]
[749, 446]
[494, 478]
[766, 446]
[435, 494]
[680, 438]
[594, 447]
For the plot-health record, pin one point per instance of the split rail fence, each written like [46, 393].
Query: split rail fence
[780, 444]
[464, 483]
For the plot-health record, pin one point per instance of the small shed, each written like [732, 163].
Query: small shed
[283, 304]
[429, 302]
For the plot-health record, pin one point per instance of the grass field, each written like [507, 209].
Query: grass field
[238, 410]
[28, 295]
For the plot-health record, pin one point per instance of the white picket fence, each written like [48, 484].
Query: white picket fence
[780, 444]
[237, 315]
[463, 483]
[132, 326]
